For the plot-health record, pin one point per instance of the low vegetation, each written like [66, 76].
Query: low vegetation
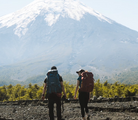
[29, 92]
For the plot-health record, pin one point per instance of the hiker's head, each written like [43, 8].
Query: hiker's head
[80, 71]
[54, 68]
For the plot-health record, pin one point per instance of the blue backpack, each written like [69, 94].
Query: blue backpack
[53, 83]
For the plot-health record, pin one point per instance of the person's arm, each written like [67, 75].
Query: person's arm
[62, 86]
[43, 93]
[78, 82]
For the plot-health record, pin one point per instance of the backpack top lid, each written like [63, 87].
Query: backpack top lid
[80, 70]
[85, 74]
[52, 71]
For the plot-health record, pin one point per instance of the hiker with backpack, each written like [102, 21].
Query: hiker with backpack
[54, 85]
[85, 83]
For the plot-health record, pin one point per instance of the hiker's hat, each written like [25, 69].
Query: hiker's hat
[54, 67]
[80, 70]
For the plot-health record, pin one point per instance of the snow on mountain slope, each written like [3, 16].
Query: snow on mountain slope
[67, 34]
[51, 10]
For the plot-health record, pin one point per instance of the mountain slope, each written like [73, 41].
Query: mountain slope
[67, 34]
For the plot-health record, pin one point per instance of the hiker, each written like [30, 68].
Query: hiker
[84, 97]
[54, 85]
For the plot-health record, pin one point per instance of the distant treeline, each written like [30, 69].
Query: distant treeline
[30, 92]
[127, 77]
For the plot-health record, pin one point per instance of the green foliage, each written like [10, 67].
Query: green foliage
[3, 93]
[34, 91]
[69, 89]
[18, 92]
[98, 91]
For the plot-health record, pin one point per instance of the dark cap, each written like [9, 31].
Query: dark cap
[54, 67]
[80, 70]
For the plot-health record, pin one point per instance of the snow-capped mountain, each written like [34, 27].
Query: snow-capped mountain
[50, 10]
[68, 34]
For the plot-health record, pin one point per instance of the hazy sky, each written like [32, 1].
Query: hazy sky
[124, 12]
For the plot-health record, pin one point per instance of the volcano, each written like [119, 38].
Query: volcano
[67, 34]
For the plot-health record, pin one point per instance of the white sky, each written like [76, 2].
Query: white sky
[124, 12]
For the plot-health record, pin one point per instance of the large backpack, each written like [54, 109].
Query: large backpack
[87, 83]
[53, 83]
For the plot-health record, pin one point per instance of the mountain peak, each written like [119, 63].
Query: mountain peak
[67, 34]
[51, 10]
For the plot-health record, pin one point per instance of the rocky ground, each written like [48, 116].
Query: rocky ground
[98, 111]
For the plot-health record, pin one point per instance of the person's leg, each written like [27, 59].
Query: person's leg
[81, 101]
[58, 107]
[86, 105]
[86, 102]
[51, 107]
[86, 108]
[82, 111]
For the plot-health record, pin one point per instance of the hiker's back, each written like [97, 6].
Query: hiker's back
[87, 83]
[53, 83]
